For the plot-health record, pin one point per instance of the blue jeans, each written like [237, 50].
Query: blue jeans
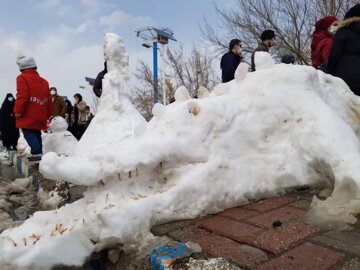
[33, 138]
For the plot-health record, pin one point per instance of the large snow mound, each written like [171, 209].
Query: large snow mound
[278, 127]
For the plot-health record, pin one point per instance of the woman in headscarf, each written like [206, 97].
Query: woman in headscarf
[9, 132]
[322, 40]
[344, 61]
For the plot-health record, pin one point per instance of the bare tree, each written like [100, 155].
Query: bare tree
[292, 20]
[192, 71]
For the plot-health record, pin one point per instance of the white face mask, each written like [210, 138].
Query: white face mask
[239, 51]
[53, 92]
[10, 99]
[332, 29]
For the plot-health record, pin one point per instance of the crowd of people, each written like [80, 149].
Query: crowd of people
[335, 49]
[35, 105]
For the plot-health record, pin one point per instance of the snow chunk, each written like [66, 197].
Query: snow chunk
[158, 110]
[182, 94]
[222, 89]
[263, 60]
[202, 92]
[241, 71]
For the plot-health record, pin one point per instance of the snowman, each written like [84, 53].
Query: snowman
[60, 141]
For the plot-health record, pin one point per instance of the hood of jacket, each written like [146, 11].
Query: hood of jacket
[351, 23]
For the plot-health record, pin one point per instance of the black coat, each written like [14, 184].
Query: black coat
[98, 82]
[344, 61]
[229, 63]
[10, 134]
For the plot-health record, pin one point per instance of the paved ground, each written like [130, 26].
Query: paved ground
[270, 234]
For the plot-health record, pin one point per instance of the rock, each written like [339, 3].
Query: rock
[14, 188]
[113, 255]
[23, 212]
[210, 264]
[4, 205]
[196, 248]
[5, 221]
[276, 223]
[24, 182]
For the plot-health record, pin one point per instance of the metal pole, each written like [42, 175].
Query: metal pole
[163, 74]
[156, 100]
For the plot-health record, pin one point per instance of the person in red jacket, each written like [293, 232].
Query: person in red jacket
[322, 40]
[33, 105]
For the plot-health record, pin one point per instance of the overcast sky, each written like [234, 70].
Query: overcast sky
[65, 37]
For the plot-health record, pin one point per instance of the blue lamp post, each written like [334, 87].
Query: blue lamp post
[156, 35]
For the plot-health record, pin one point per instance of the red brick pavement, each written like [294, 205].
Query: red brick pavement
[232, 229]
[246, 237]
[284, 214]
[238, 214]
[280, 239]
[269, 204]
[306, 256]
[217, 246]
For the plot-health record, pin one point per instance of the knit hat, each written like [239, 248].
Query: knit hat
[353, 12]
[25, 62]
[267, 34]
[288, 59]
[324, 23]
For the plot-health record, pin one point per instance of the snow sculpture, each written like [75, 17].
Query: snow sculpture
[283, 126]
[116, 118]
[60, 141]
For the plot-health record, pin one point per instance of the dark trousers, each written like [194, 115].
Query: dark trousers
[33, 138]
[80, 131]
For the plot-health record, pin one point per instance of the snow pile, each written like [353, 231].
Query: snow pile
[278, 127]
[60, 141]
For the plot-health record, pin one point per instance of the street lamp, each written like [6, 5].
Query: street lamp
[162, 54]
[156, 35]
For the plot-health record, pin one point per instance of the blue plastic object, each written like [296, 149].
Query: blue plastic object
[161, 258]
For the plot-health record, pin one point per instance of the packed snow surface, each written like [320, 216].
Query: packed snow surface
[278, 127]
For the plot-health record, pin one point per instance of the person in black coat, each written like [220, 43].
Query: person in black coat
[344, 60]
[231, 60]
[97, 88]
[10, 134]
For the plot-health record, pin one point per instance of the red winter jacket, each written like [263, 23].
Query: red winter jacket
[33, 100]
